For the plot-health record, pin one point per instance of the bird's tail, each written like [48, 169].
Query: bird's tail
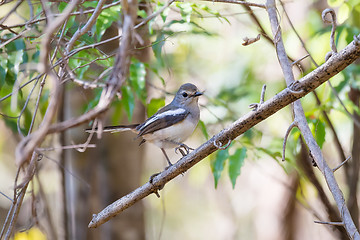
[115, 129]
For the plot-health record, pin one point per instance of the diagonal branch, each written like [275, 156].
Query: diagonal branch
[308, 83]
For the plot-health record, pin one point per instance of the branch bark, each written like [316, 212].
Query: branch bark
[307, 84]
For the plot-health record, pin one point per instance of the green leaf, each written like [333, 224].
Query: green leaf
[99, 29]
[10, 76]
[25, 57]
[105, 19]
[344, 82]
[44, 101]
[128, 101]
[94, 100]
[335, 3]
[156, 72]
[164, 14]
[353, 3]
[11, 123]
[27, 121]
[157, 47]
[185, 10]
[317, 128]
[16, 45]
[81, 71]
[275, 155]
[3, 72]
[203, 129]
[13, 64]
[89, 4]
[236, 161]
[217, 165]
[154, 105]
[320, 133]
[142, 13]
[117, 114]
[62, 6]
[344, 12]
[137, 78]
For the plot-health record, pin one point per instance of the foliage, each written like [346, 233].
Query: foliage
[185, 47]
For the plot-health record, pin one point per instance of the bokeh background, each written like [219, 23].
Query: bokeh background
[271, 199]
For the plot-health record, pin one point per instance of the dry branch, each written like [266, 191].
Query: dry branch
[308, 83]
[30, 142]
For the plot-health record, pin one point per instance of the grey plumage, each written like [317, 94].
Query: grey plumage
[172, 124]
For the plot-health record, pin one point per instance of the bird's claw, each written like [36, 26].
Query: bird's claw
[294, 88]
[152, 177]
[185, 147]
[254, 106]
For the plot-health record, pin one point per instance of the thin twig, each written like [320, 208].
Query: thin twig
[24, 108]
[341, 164]
[19, 199]
[48, 213]
[28, 144]
[330, 223]
[249, 4]
[75, 146]
[300, 59]
[154, 14]
[7, 220]
[256, 106]
[19, 35]
[3, 19]
[292, 125]
[333, 27]
[86, 27]
[6, 196]
[248, 41]
[34, 21]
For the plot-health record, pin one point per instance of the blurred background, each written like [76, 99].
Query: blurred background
[198, 42]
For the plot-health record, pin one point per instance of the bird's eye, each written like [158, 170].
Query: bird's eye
[185, 94]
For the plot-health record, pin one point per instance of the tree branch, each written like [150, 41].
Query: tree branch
[308, 83]
[249, 4]
[30, 142]
[300, 119]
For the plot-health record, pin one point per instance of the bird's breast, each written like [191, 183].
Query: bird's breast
[170, 136]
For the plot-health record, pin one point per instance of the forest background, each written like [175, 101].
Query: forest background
[62, 71]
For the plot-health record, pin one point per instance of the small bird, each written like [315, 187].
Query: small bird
[171, 125]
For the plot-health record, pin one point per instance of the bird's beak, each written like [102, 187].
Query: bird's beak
[197, 94]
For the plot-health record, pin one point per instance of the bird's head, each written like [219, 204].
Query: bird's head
[187, 94]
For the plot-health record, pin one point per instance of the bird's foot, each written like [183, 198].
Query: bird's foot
[152, 177]
[254, 106]
[295, 88]
[183, 147]
[155, 174]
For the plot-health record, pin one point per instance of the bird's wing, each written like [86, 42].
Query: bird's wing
[162, 119]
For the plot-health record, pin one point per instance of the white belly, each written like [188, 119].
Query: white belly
[171, 136]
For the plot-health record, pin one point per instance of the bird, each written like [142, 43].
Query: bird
[170, 126]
